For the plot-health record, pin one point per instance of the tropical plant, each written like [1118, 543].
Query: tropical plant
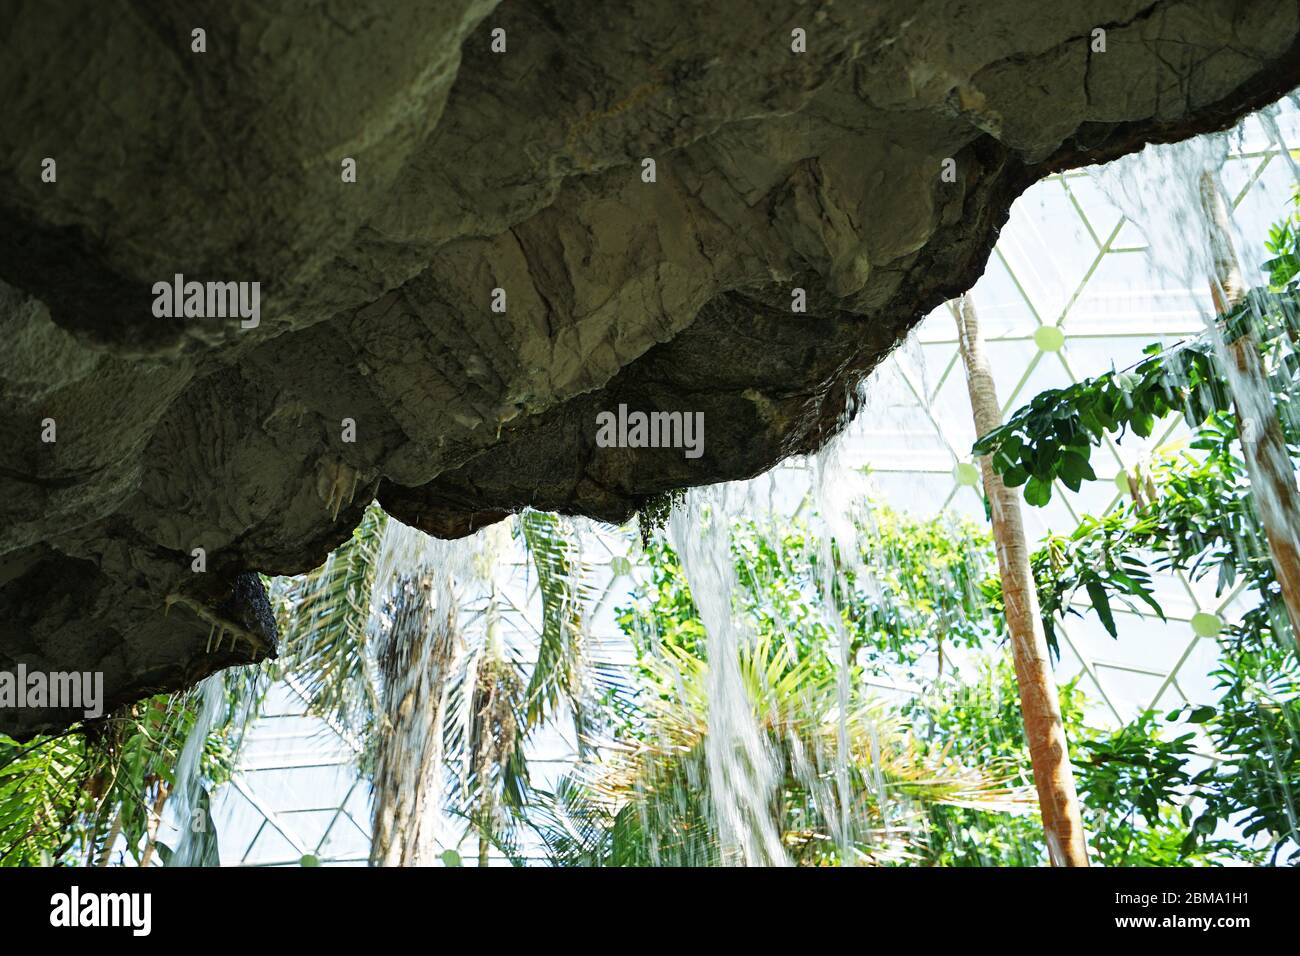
[101, 787]
[919, 581]
[1284, 243]
[915, 587]
[388, 646]
[1200, 511]
[649, 802]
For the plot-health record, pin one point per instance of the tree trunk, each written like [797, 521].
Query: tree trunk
[485, 760]
[408, 767]
[1263, 446]
[106, 856]
[151, 826]
[1039, 703]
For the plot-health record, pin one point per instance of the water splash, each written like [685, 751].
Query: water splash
[416, 635]
[1174, 195]
[742, 770]
[189, 795]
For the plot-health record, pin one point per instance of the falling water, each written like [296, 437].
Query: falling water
[1159, 190]
[1268, 119]
[415, 636]
[742, 770]
[1173, 194]
[191, 817]
[837, 493]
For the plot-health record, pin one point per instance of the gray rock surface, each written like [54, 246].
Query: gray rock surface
[478, 170]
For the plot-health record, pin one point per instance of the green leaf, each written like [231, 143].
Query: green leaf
[1038, 492]
[1101, 604]
[1076, 468]
[1138, 590]
[1015, 476]
[557, 675]
[1143, 424]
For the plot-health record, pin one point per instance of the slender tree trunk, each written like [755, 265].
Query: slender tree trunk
[151, 827]
[1272, 476]
[494, 729]
[415, 664]
[485, 760]
[1039, 702]
[106, 855]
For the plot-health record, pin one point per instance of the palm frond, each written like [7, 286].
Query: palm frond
[558, 674]
[325, 620]
[646, 801]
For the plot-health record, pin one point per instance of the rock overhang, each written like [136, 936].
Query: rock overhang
[476, 172]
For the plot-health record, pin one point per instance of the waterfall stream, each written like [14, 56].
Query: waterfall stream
[742, 772]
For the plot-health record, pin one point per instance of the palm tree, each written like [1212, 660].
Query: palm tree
[647, 802]
[379, 634]
[415, 657]
[500, 700]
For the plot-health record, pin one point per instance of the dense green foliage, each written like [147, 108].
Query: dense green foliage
[64, 799]
[650, 802]
[1127, 781]
[1052, 437]
[1190, 512]
[917, 586]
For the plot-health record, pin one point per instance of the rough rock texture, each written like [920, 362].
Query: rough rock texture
[479, 170]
